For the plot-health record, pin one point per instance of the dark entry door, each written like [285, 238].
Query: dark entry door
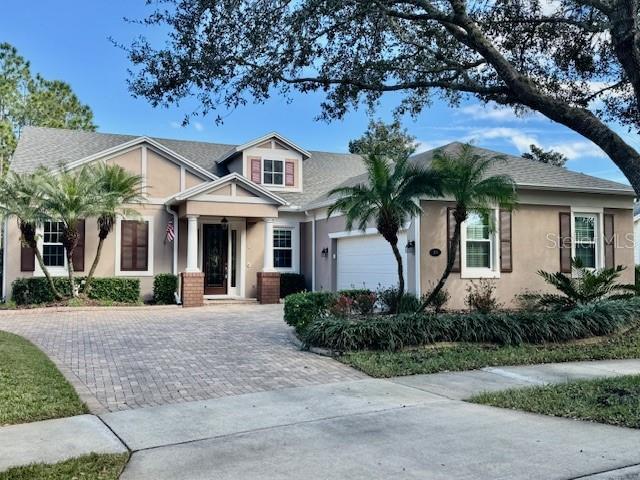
[215, 259]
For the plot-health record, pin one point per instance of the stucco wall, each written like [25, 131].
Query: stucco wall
[255, 256]
[532, 251]
[163, 176]
[306, 253]
[162, 252]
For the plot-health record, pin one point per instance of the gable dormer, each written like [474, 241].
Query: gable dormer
[272, 161]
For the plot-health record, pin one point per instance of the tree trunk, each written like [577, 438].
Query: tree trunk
[43, 267]
[451, 258]
[523, 91]
[94, 265]
[396, 253]
[72, 284]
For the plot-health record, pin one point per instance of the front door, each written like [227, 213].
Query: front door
[215, 259]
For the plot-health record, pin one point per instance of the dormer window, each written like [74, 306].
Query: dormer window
[273, 172]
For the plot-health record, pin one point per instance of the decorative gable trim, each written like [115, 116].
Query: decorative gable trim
[256, 142]
[233, 178]
[161, 149]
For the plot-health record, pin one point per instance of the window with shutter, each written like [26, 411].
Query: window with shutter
[506, 251]
[290, 176]
[256, 170]
[134, 246]
[78, 252]
[565, 242]
[609, 240]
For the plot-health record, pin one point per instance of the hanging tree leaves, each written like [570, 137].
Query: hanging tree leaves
[575, 61]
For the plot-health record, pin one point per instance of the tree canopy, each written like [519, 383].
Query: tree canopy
[27, 99]
[390, 140]
[575, 61]
[545, 156]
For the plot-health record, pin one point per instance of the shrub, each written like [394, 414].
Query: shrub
[439, 300]
[388, 298]
[341, 307]
[291, 283]
[164, 287]
[480, 296]
[36, 291]
[586, 286]
[364, 303]
[391, 332]
[115, 289]
[301, 308]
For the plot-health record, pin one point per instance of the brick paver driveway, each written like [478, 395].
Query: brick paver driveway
[130, 358]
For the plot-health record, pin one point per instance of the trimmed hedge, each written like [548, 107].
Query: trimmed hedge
[291, 283]
[164, 287]
[35, 290]
[300, 309]
[392, 332]
[115, 289]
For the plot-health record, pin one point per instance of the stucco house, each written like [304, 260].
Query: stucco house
[242, 214]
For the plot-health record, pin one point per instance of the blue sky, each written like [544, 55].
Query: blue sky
[68, 40]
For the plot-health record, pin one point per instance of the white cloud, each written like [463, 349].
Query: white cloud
[491, 111]
[577, 149]
[175, 125]
[198, 126]
[520, 139]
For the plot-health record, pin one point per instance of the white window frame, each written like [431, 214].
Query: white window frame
[283, 162]
[598, 214]
[150, 251]
[494, 254]
[61, 271]
[294, 227]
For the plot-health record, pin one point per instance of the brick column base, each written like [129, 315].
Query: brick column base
[268, 287]
[192, 292]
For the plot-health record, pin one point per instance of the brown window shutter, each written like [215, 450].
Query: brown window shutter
[27, 259]
[134, 245]
[565, 242]
[256, 170]
[506, 252]
[609, 241]
[78, 252]
[289, 171]
[451, 226]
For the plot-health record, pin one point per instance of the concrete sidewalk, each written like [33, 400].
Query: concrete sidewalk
[52, 441]
[409, 427]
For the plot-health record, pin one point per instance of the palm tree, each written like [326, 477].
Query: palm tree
[117, 188]
[71, 196]
[464, 177]
[22, 196]
[390, 197]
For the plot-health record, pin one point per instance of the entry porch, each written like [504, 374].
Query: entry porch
[225, 241]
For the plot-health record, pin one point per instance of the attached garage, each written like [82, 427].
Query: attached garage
[367, 261]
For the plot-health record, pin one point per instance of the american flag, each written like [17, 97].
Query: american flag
[171, 234]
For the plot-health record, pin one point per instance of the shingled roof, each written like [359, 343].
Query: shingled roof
[526, 174]
[323, 171]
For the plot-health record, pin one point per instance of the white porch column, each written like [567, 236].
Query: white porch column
[192, 243]
[268, 245]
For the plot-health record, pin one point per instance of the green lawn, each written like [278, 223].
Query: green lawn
[31, 387]
[89, 467]
[472, 356]
[615, 401]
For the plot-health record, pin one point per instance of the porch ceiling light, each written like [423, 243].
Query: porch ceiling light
[225, 223]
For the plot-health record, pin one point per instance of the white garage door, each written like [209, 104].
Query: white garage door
[367, 261]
